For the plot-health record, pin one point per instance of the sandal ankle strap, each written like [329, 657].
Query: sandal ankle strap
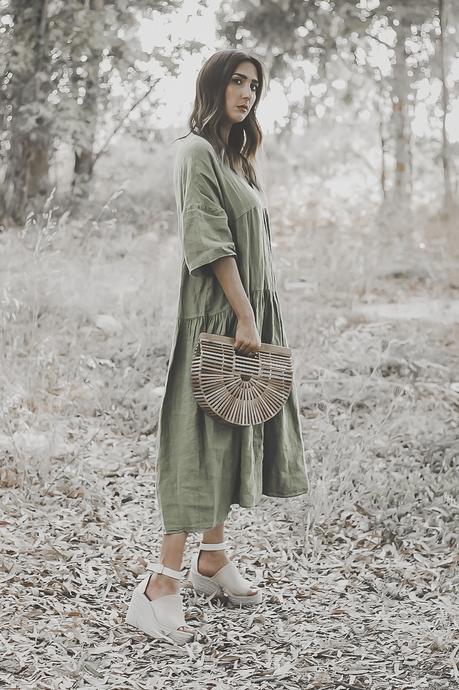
[212, 547]
[165, 570]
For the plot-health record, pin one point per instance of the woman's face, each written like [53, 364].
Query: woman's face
[241, 91]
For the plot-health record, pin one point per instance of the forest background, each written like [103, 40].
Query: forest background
[359, 161]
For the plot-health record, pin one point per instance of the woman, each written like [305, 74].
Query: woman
[227, 287]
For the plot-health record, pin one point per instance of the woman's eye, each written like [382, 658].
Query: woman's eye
[237, 80]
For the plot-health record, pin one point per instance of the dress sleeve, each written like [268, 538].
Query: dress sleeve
[203, 222]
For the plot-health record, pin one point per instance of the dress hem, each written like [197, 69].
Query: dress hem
[192, 530]
[299, 493]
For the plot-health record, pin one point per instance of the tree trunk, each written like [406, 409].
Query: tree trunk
[379, 109]
[447, 193]
[400, 120]
[27, 166]
[84, 146]
[382, 175]
[410, 112]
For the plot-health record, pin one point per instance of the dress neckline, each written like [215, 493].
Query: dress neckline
[259, 193]
[241, 177]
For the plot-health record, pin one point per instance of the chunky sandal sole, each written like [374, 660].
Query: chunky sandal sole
[205, 585]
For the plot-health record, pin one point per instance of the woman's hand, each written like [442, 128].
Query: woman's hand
[247, 340]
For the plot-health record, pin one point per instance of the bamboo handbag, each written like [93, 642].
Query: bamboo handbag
[240, 390]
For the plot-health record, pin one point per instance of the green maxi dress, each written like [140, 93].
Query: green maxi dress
[204, 466]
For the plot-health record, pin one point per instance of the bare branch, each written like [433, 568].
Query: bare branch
[376, 38]
[123, 120]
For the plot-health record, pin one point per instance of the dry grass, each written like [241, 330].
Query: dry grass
[360, 576]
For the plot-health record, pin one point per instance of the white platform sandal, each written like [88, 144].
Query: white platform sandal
[227, 580]
[160, 617]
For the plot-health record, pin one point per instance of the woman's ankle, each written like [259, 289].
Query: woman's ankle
[162, 584]
[165, 580]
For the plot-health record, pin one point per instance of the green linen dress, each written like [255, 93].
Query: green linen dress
[204, 466]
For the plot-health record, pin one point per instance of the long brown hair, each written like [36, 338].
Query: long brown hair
[208, 112]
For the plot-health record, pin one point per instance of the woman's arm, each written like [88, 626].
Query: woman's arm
[247, 338]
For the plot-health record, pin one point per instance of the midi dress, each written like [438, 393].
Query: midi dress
[202, 465]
